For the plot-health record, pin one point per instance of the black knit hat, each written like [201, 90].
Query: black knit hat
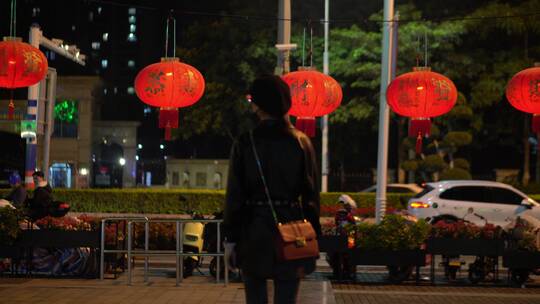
[271, 94]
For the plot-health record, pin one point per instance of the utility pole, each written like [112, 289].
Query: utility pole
[36, 39]
[50, 97]
[284, 45]
[384, 114]
[325, 168]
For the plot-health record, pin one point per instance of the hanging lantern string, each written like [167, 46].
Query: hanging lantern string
[304, 47]
[169, 19]
[425, 48]
[13, 20]
[418, 50]
[310, 44]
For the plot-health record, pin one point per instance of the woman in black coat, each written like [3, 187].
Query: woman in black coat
[289, 166]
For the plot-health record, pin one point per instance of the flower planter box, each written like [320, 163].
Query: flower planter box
[518, 259]
[58, 239]
[361, 256]
[482, 247]
[332, 243]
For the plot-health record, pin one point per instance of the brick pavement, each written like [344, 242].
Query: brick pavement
[198, 289]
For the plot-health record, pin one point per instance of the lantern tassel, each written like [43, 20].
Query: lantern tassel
[168, 119]
[11, 110]
[167, 133]
[419, 144]
[306, 125]
[419, 128]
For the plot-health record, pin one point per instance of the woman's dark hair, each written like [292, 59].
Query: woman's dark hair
[271, 94]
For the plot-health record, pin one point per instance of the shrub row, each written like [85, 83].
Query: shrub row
[171, 201]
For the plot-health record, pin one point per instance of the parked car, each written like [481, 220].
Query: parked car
[397, 188]
[475, 201]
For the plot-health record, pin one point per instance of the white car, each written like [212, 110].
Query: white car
[396, 188]
[479, 202]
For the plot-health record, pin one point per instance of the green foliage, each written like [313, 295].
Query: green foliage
[455, 174]
[432, 163]
[409, 165]
[457, 139]
[462, 163]
[9, 225]
[393, 233]
[169, 201]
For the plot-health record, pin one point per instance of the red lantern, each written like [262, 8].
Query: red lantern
[21, 65]
[420, 95]
[313, 94]
[523, 93]
[169, 85]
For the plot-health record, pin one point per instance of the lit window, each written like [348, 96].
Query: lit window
[130, 90]
[105, 91]
[115, 90]
[35, 11]
[132, 28]
[132, 37]
[96, 45]
[131, 63]
[132, 11]
[99, 10]
[104, 63]
[132, 19]
[91, 16]
[105, 36]
[73, 28]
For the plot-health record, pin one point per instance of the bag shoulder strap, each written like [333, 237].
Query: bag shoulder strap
[259, 166]
[267, 191]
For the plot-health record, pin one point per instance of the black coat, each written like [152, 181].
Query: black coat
[289, 165]
[41, 202]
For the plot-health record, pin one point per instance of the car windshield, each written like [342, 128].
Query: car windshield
[426, 190]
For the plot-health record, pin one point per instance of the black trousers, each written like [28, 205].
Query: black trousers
[285, 291]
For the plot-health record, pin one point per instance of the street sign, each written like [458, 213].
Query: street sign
[28, 128]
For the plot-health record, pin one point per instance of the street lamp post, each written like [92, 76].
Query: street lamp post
[384, 114]
[284, 45]
[324, 123]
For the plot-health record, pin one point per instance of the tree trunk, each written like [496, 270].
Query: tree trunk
[526, 153]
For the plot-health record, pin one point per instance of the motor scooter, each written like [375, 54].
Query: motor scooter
[193, 241]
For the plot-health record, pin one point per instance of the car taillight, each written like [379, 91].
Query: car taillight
[419, 205]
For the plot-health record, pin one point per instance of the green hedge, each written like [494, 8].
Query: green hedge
[179, 201]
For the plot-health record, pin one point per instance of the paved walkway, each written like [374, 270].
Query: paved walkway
[158, 291]
[199, 289]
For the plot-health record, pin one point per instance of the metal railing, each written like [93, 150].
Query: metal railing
[178, 253]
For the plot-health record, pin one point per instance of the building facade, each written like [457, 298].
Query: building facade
[197, 173]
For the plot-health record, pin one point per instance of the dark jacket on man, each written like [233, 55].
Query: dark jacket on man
[17, 196]
[41, 202]
[289, 165]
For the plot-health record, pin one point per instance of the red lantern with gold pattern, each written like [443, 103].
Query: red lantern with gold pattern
[313, 94]
[523, 93]
[21, 65]
[169, 85]
[421, 95]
